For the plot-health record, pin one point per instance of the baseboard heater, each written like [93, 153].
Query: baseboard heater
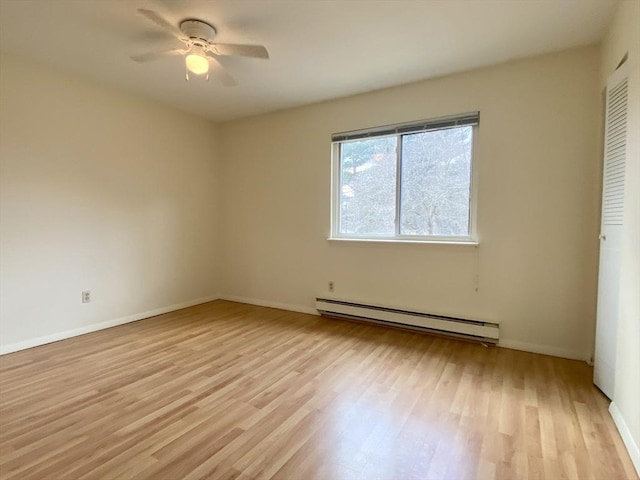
[485, 332]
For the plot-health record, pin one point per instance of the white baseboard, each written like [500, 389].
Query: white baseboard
[265, 303]
[627, 438]
[55, 337]
[543, 349]
[513, 344]
[14, 347]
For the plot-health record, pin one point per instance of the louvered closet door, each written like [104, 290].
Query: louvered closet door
[611, 231]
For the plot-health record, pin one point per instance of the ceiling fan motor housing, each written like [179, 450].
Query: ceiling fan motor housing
[198, 31]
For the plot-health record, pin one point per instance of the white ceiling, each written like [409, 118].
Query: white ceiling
[320, 49]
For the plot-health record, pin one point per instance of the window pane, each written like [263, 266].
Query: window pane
[436, 176]
[368, 186]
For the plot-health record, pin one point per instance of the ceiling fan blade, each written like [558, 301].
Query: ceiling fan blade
[149, 56]
[226, 79]
[255, 51]
[161, 22]
[220, 73]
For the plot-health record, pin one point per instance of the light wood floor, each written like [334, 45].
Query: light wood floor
[226, 390]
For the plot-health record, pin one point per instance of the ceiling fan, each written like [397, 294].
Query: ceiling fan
[200, 51]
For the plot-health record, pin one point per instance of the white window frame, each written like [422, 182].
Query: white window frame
[470, 240]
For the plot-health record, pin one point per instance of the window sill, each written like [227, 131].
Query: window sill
[463, 243]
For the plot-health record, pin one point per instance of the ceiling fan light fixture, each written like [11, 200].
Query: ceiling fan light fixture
[200, 49]
[197, 64]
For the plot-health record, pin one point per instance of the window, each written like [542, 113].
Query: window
[410, 182]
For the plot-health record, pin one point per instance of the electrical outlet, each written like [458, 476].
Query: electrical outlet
[86, 296]
[331, 286]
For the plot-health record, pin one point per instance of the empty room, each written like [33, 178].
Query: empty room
[320, 239]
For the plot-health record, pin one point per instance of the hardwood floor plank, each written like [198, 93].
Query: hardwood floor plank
[231, 391]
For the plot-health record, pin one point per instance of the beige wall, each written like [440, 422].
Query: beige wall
[99, 190]
[623, 37]
[538, 161]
